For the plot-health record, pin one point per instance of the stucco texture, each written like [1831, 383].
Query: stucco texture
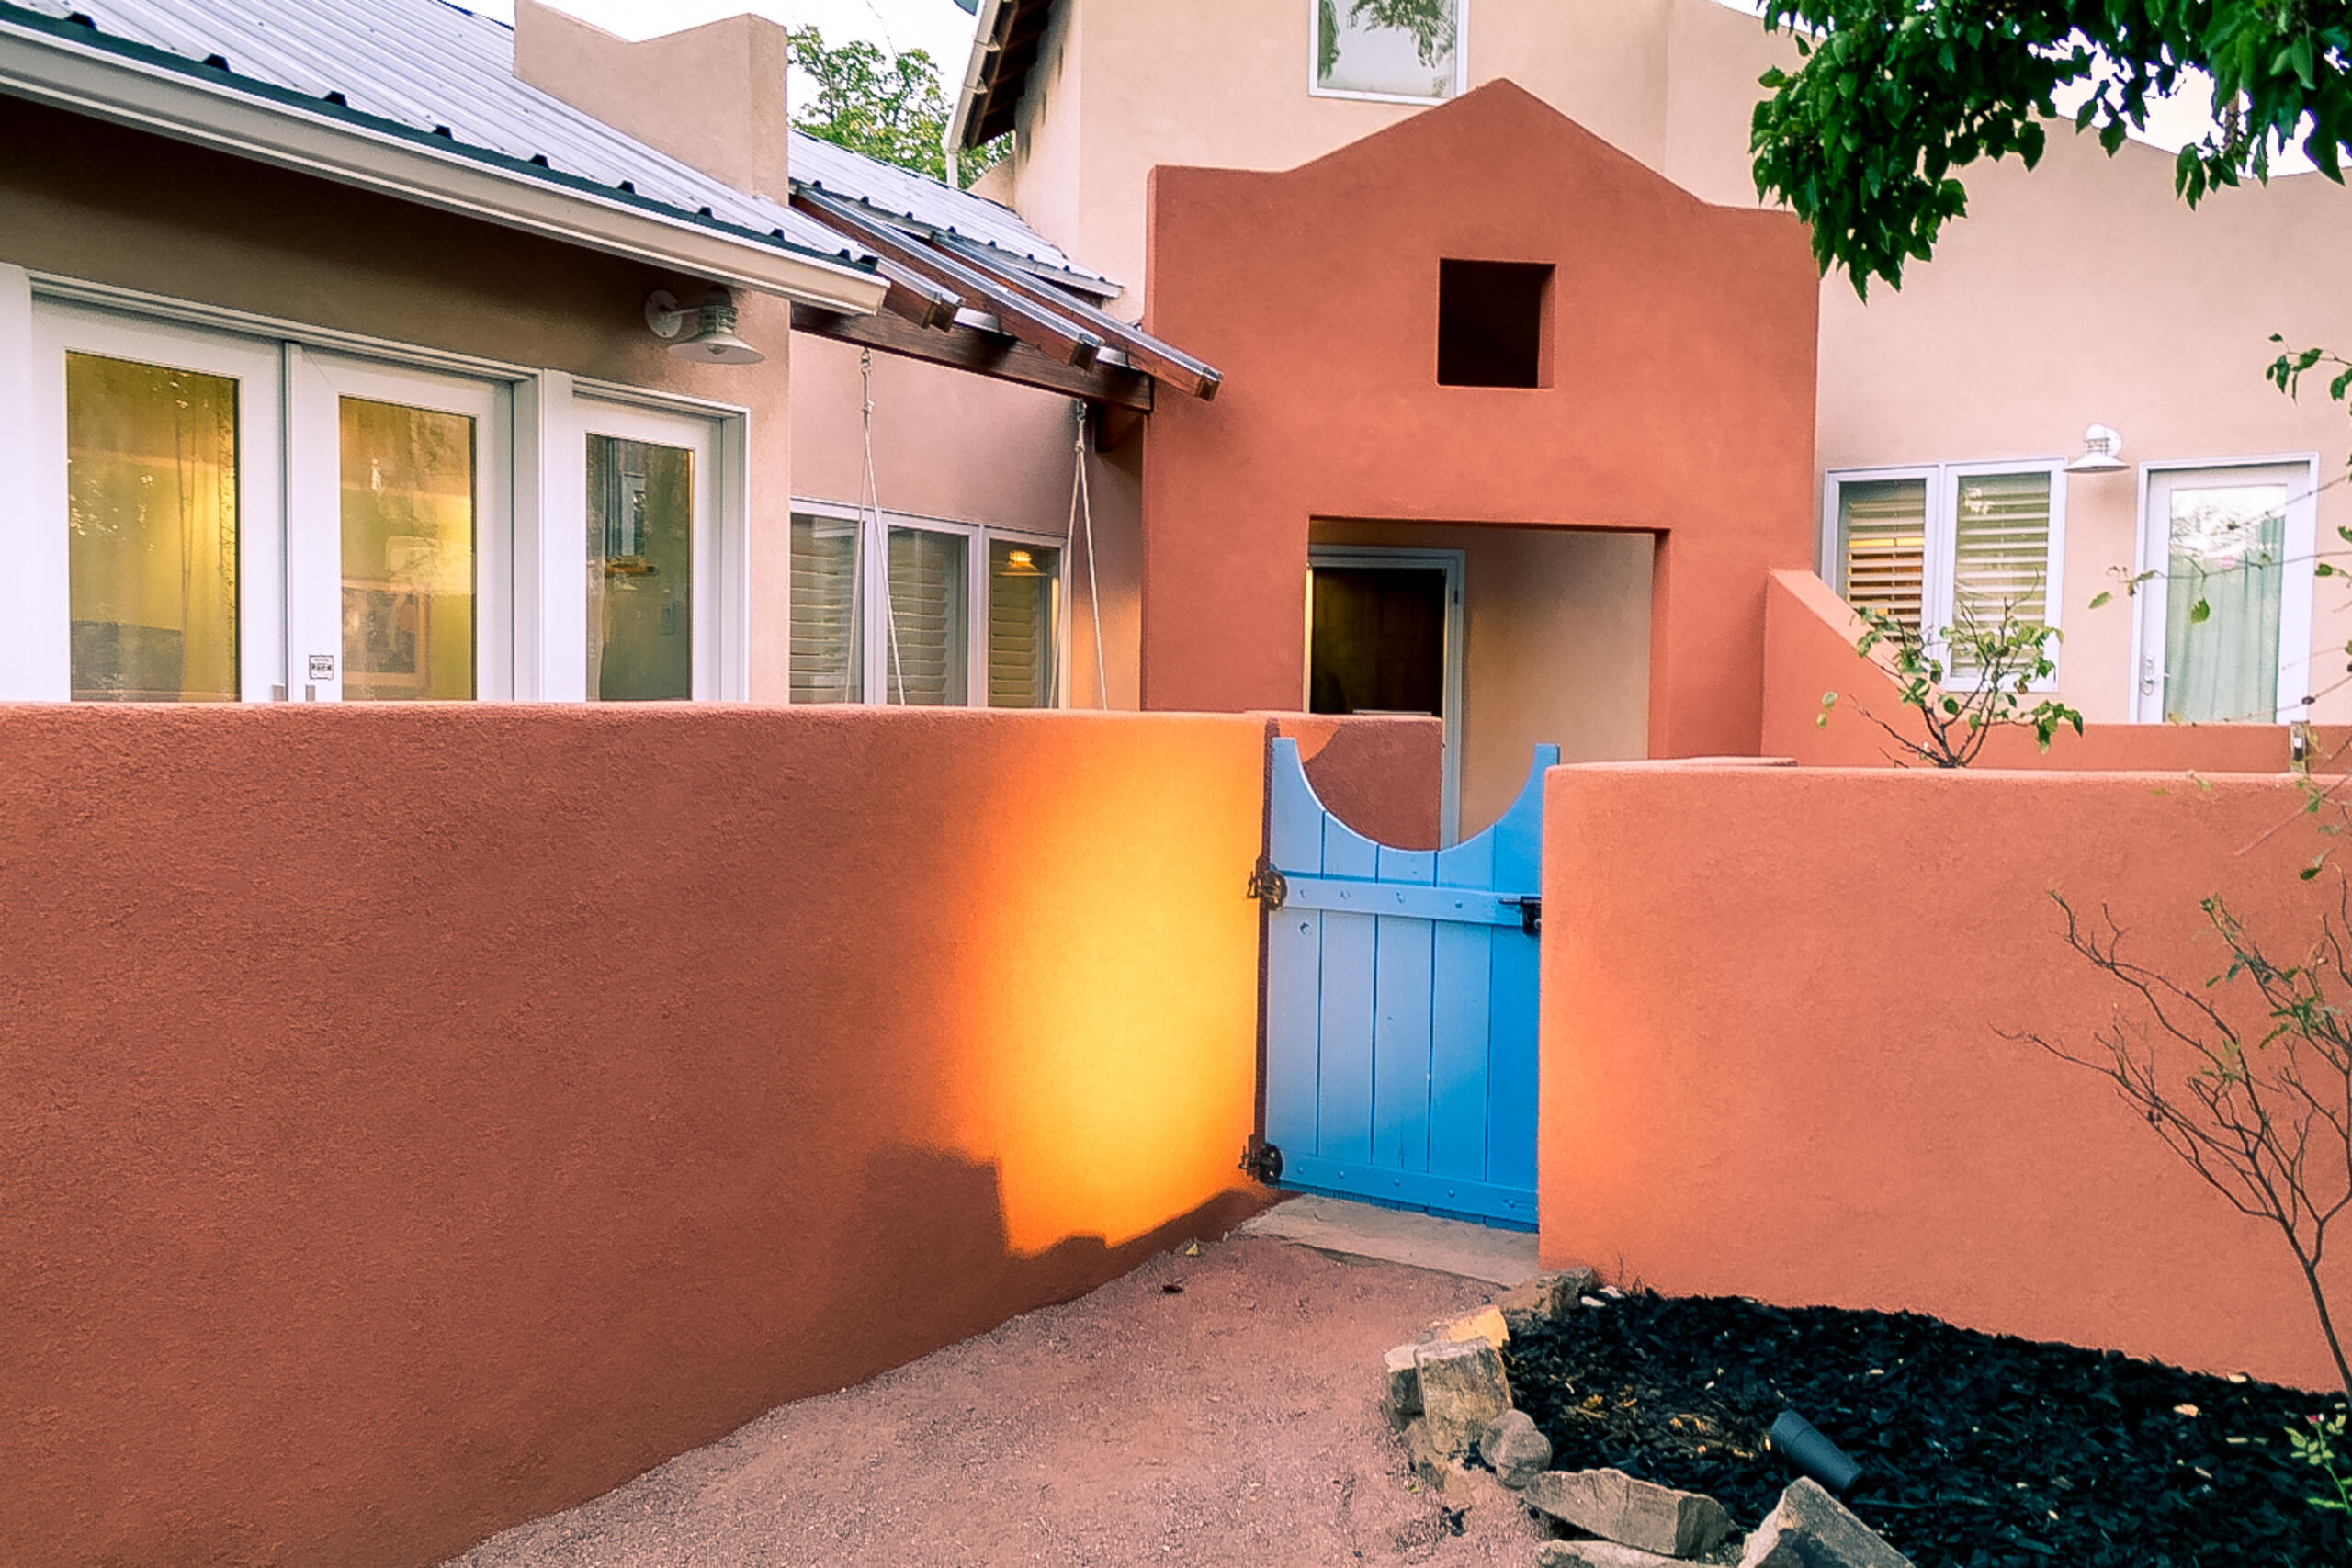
[1678, 402]
[1773, 1065]
[419, 1120]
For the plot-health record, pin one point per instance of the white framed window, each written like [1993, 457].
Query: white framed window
[1941, 545]
[656, 542]
[1409, 51]
[218, 507]
[924, 612]
[146, 565]
[2222, 632]
[400, 560]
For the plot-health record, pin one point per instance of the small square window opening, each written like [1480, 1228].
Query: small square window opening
[1492, 326]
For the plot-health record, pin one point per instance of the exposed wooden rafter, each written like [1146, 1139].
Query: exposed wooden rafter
[1143, 351]
[983, 353]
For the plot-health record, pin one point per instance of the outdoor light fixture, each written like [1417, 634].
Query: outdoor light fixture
[706, 333]
[1021, 563]
[2101, 446]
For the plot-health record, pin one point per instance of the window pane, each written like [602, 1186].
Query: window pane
[2228, 549]
[1404, 47]
[641, 570]
[929, 640]
[151, 460]
[407, 553]
[1882, 535]
[2001, 552]
[1022, 581]
[825, 663]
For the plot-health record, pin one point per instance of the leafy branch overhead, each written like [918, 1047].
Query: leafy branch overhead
[1893, 96]
[889, 107]
[2003, 661]
[1430, 23]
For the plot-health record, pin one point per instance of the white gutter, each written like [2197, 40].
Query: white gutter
[975, 76]
[89, 80]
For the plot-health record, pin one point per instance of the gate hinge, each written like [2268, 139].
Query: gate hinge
[1267, 885]
[1530, 913]
[1261, 1162]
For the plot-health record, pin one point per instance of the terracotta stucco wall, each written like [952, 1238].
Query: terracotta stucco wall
[1771, 1063]
[1680, 402]
[95, 202]
[421, 1118]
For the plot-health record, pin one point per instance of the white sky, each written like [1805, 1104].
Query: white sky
[942, 28]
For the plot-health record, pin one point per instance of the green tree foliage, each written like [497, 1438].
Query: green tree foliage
[1893, 96]
[2001, 659]
[886, 107]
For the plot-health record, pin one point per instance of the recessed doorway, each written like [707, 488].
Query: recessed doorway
[1384, 637]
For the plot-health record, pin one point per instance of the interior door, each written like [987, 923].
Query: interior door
[1384, 637]
[653, 622]
[2225, 631]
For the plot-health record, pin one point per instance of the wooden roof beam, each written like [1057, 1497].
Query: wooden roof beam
[1049, 331]
[983, 354]
[1146, 352]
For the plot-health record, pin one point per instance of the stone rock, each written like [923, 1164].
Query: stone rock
[1545, 1296]
[1402, 1400]
[1613, 1505]
[1485, 1324]
[1599, 1554]
[1463, 1388]
[1455, 1484]
[1514, 1449]
[1812, 1529]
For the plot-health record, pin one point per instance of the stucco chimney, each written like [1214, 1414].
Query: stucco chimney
[712, 96]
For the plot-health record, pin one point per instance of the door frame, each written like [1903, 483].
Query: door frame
[1407, 558]
[2144, 690]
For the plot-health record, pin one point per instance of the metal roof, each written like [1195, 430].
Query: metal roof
[429, 66]
[434, 68]
[893, 192]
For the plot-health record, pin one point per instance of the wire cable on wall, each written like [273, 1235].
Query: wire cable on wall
[876, 538]
[1082, 514]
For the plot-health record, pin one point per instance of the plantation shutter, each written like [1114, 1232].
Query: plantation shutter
[1883, 546]
[2001, 549]
[928, 620]
[1021, 625]
[825, 664]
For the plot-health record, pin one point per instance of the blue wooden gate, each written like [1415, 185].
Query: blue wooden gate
[1400, 1006]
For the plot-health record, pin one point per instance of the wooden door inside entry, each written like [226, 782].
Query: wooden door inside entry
[1384, 637]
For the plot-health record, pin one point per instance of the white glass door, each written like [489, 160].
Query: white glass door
[655, 620]
[2225, 621]
[400, 545]
[147, 567]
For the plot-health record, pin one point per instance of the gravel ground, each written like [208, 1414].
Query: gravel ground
[1233, 1422]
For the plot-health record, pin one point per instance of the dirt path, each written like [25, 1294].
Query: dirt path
[1235, 1424]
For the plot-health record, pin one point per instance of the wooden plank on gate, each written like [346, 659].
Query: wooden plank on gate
[1350, 958]
[1511, 1081]
[1293, 958]
[1400, 1040]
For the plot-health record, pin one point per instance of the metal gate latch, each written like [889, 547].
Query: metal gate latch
[1267, 885]
[1531, 914]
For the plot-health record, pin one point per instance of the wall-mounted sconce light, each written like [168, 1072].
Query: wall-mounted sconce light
[1021, 563]
[708, 330]
[2102, 449]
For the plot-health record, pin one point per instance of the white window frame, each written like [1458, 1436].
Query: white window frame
[1315, 87]
[2153, 554]
[316, 384]
[706, 438]
[530, 634]
[874, 587]
[1939, 570]
[36, 648]
[1383, 558]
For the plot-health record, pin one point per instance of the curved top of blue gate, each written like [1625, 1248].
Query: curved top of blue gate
[1302, 835]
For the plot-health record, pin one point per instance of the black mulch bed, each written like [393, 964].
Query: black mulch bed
[1978, 1450]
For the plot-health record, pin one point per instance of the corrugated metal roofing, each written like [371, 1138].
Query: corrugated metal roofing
[433, 67]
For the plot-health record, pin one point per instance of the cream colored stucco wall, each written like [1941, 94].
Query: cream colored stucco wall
[1556, 646]
[2081, 291]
